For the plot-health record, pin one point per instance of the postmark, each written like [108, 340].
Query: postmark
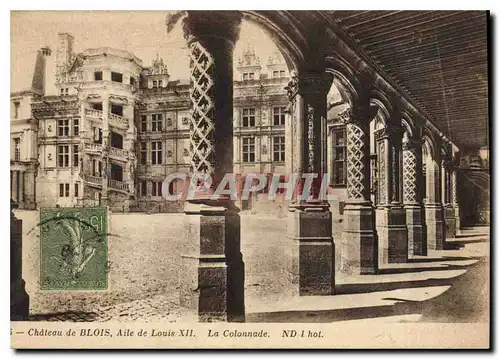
[73, 248]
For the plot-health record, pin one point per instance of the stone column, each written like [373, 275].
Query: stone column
[434, 218]
[310, 220]
[390, 215]
[19, 299]
[412, 197]
[359, 253]
[449, 211]
[212, 271]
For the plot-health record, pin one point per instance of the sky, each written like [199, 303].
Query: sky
[143, 33]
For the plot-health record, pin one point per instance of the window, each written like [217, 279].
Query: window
[63, 128]
[98, 75]
[63, 156]
[62, 92]
[155, 84]
[156, 152]
[66, 91]
[75, 155]
[339, 156]
[144, 123]
[156, 122]
[16, 109]
[97, 106]
[248, 149]
[117, 110]
[279, 148]
[116, 77]
[144, 153]
[63, 189]
[76, 189]
[132, 81]
[156, 189]
[248, 76]
[143, 189]
[248, 117]
[17, 149]
[276, 74]
[282, 73]
[160, 83]
[279, 116]
[75, 127]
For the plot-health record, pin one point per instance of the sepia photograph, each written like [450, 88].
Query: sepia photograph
[240, 179]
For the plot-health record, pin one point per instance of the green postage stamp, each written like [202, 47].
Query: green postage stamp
[73, 248]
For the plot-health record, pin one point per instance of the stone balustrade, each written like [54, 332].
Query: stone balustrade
[121, 186]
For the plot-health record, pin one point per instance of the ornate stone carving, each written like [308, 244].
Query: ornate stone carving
[311, 140]
[292, 87]
[169, 153]
[202, 95]
[454, 199]
[382, 169]
[356, 139]
[264, 149]
[394, 196]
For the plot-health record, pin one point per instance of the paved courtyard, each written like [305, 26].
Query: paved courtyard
[144, 255]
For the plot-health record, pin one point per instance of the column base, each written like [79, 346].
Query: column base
[311, 258]
[417, 244]
[359, 245]
[212, 270]
[434, 222]
[392, 234]
[450, 221]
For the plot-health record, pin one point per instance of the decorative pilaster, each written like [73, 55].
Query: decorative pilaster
[449, 211]
[412, 197]
[390, 215]
[211, 278]
[311, 255]
[454, 199]
[359, 253]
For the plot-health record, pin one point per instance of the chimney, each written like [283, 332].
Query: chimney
[39, 75]
[64, 53]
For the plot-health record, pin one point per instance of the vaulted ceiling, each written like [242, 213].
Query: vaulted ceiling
[439, 57]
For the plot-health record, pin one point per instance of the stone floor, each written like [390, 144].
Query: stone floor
[144, 252]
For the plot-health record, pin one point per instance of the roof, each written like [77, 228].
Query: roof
[439, 57]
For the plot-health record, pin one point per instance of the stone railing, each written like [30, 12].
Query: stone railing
[93, 147]
[117, 121]
[92, 179]
[118, 152]
[95, 114]
[121, 186]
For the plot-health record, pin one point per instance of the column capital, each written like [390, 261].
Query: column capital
[412, 144]
[207, 26]
[389, 131]
[308, 85]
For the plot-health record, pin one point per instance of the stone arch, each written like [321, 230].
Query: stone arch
[411, 131]
[285, 33]
[344, 79]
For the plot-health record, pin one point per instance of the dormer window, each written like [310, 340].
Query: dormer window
[160, 83]
[276, 74]
[155, 84]
[132, 81]
[116, 77]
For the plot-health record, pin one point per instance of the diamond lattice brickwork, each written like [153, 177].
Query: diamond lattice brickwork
[202, 94]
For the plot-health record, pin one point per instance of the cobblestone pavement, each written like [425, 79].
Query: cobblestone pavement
[158, 308]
